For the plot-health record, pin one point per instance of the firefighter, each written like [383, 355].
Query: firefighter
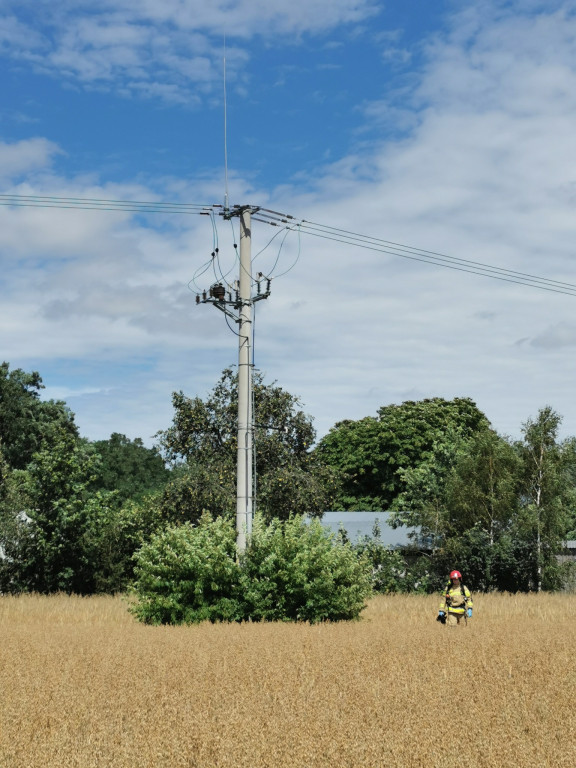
[456, 604]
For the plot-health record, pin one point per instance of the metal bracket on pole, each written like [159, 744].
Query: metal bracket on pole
[238, 210]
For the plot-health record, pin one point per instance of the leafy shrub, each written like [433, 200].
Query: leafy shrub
[393, 570]
[187, 574]
[387, 566]
[295, 571]
[291, 572]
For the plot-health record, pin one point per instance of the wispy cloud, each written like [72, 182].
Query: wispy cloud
[23, 157]
[167, 49]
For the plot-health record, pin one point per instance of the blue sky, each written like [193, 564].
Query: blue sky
[447, 126]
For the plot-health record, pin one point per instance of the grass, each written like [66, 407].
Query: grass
[84, 685]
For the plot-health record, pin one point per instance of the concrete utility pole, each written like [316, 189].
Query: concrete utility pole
[242, 302]
[244, 482]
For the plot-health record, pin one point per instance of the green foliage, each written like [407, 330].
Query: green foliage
[393, 570]
[202, 444]
[293, 489]
[295, 571]
[354, 448]
[423, 502]
[203, 431]
[196, 489]
[26, 422]
[388, 566]
[128, 467]
[187, 574]
[65, 534]
[464, 483]
[502, 564]
[483, 488]
[547, 493]
[373, 453]
[290, 572]
[13, 527]
[497, 511]
[72, 513]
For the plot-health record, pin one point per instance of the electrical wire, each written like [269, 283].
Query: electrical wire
[462, 266]
[103, 204]
[270, 272]
[268, 244]
[438, 259]
[200, 271]
[295, 261]
[230, 327]
[234, 243]
[303, 226]
[274, 218]
[214, 231]
[223, 275]
[253, 419]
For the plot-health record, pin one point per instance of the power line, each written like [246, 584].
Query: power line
[415, 254]
[358, 238]
[542, 283]
[101, 204]
[303, 226]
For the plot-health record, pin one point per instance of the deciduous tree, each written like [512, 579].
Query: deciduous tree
[70, 534]
[373, 453]
[26, 422]
[202, 440]
[548, 494]
[129, 467]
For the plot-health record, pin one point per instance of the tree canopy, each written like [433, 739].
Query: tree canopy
[373, 452]
[202, 442]
[499, 508]
[128, 467]
[204, 430]
[74, 513]
[26, 421]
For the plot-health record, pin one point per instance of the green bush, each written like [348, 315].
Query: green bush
[187, 574]
[395, 571]
[295, 571]
[387, 566]
[291, 572]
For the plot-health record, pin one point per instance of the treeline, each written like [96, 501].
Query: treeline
[74, 512]
[76, 515]
[496, 508]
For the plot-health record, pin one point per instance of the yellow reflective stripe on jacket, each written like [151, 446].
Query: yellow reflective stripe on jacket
[456, 592]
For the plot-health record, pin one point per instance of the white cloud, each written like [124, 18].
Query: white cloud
[159, 48]
[23, 157]
[68, 393]
[485, 173]
[16, 35]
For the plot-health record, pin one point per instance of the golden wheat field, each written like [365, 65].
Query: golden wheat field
[84, 685]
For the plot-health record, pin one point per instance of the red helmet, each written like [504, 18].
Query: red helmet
[455, 575]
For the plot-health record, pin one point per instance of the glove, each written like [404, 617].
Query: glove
[441, 613]
[469, 613]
